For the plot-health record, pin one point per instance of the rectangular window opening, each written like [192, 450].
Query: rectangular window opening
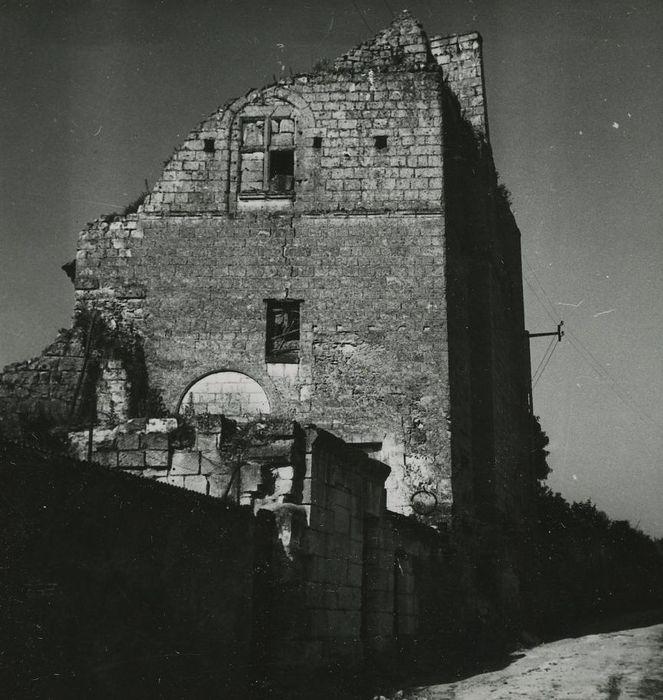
[317, 142]
[380, 142]
[267, 157]
[281, 171]
[209, 146]
[282, 338]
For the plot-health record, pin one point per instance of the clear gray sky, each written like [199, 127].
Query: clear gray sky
[96, 94]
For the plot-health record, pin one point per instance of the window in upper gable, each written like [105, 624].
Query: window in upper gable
[267, 156]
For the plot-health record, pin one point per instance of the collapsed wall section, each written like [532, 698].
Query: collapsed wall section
[38, 394]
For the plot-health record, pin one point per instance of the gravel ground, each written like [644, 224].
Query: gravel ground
[614, 665]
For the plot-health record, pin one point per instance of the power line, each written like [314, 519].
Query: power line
[543, 369]
[607, 378]
[550, 344]
[586, 354]
[544, 361]
[546, 302]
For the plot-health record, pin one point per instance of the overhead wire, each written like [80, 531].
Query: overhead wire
[543, 369]
[546, 302]
[543, 357]
[552, 313]
[603, 374]
[586, 354]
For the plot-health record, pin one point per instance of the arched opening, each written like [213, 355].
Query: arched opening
[230, 394]
[211, 409]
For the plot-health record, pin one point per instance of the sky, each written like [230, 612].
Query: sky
[96, 94]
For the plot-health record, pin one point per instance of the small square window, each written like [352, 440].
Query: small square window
[380, 142]
[282, 338]
[317, 142]
[209, 146]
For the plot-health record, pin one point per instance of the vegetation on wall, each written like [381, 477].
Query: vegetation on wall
[132, 207]
[106, 335]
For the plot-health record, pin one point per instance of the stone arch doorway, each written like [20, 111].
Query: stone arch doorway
[226, 393]
[211, 409]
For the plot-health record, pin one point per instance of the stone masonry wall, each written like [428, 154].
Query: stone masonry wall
[258, 475]
[331, 578]
[372, 364]
[489, 356]
[345, 171]
[461, 60]
[107, 277]
[403, 43]
[373, 333]
[39, 393]
[369, 584]
[348, 578]
[361, 241]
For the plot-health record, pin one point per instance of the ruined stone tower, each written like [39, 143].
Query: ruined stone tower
[333, 249]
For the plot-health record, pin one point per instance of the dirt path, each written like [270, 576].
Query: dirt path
[615, 665]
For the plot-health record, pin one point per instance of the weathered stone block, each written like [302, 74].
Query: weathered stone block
[213, 462]
[250, 477]
[156, 458]
[154, 473]
[218, 483]
[196, 483]
[134, 425]
[207, 442]
[155, 441]
[103, 437]
[283, 487]
[128, 441]
[131, 459]
[285, 473]
[185, 462]
[274, 451]
[160, 425]
[106, 459]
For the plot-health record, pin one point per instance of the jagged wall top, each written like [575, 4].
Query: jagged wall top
[403, 44]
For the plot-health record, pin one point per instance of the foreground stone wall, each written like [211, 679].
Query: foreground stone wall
[117, 585]
[349, 579]
[325, 573]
